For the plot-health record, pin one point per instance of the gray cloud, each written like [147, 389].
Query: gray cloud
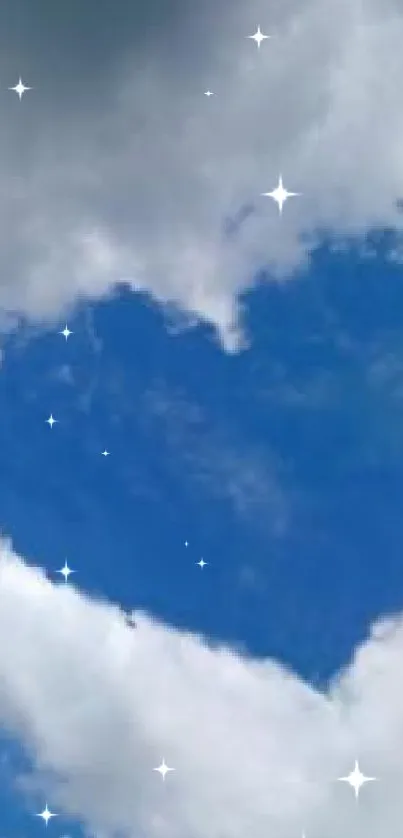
[117, 168]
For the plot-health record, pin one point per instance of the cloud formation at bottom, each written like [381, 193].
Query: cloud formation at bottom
[256, 751]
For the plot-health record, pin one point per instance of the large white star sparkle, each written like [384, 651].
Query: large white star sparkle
[65, 571]
[163, 769]
[46, 815]
[356, 779]
[280, 195]
[258, 37]
[20, 88]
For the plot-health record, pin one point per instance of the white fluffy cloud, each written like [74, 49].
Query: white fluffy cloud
[256, 750]
[141, 191]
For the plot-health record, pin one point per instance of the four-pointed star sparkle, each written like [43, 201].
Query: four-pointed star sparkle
[356, 779]
[51, 421]
[202, 563]
[46, 815]
[258, 37]
[66, 332]
[280, 195]
[105, 453]
[208, 93]
[163, 769]
[20, 88]
[65, 571]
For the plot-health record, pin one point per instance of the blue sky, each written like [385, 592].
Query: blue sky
[280, 466]
[245, 371]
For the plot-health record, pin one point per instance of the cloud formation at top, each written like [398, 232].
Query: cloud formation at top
[155, 184]
[255, 750]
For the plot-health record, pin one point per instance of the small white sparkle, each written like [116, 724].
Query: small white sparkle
[20, 88]
[186, 544]
[51, 421]
[105, 453]
[208, 93]
[65, 571]
[202, 563]
[356, 779]
[66, 332]
[46, 815]
[280, 194]
[163, 769]
[258, 37]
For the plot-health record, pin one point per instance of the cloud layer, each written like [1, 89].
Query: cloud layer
[255, 750]
[159, 186]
